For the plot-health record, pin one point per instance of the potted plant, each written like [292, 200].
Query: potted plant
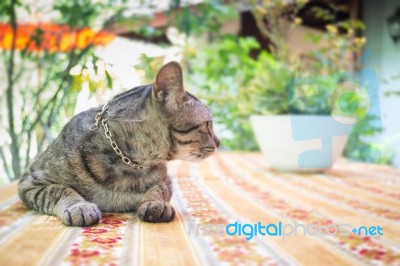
[302, 107]
[305, 126]
[316, 96]
[266, 93]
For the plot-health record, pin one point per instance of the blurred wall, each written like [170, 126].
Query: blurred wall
[297, 40]
[383, 55]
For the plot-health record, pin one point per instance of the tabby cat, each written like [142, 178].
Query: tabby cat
[81, 174]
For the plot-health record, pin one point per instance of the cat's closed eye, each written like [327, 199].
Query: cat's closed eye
[189, 129]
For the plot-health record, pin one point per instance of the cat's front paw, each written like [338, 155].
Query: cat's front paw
[156, 212]
[81, 214]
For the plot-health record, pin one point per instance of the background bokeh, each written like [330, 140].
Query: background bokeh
[59, 58]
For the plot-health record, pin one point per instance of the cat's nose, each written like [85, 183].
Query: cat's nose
[216, 141]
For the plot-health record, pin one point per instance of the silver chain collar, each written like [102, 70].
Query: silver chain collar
[95, 126]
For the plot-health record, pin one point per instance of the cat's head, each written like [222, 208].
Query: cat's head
[190, 122]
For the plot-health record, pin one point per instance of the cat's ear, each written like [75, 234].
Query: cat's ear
[168, 85]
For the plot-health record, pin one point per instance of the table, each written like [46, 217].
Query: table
[208, 196]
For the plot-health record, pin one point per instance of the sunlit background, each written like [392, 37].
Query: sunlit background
[238, 57]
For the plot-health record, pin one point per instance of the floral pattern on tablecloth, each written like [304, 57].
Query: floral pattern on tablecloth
[99, 244]
[202, 211]
[199, 197]
[358, 246]
[352, 202]
[12, 213]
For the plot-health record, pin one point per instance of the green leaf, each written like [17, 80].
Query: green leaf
[109, 80]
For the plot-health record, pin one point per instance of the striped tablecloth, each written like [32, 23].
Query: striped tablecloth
[227, 188]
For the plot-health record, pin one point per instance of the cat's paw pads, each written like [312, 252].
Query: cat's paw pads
[81, 214]
[156, 212]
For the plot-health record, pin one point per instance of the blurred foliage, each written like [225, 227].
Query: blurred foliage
[148, 66]
[205, 18]
[79, 13]
[43, 80]
[236, 85]
[392, 78]
[360, 148]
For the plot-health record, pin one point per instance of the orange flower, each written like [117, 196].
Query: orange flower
[51, 37]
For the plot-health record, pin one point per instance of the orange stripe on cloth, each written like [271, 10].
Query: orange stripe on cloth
[8, 191]
[165, 243]
[374, 184]
[367, 169]
[12, 213]
[31, 244]
[345, 199]
[347, 189]
[314, 188]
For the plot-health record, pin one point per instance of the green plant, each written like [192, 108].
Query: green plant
[40, 92]
[237, 85]
[221, 75]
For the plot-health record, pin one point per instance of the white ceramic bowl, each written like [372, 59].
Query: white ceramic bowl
[309, 143]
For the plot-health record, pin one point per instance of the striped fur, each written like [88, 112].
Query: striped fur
[79, 175]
